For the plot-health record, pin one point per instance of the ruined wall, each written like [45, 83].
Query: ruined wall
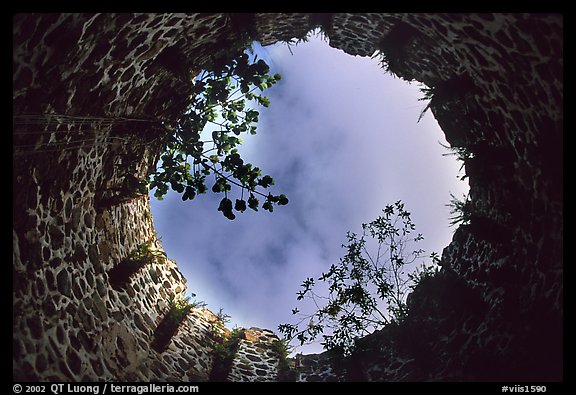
[89, 95]
[256, 358]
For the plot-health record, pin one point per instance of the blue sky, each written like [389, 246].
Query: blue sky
[341, 140]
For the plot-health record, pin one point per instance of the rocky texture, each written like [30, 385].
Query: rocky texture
[90, 92]
[256, 359]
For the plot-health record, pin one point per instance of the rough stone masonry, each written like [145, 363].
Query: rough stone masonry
[89, 94]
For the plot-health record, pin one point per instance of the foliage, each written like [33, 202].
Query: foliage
[424, 272]
[392, 49]
[146, 254]
[461, 210]
[178, 310]
[282, 348]
[319, 32]
[219, 99]
[143, 254]
[428, 95]
[223, 353]
[197, 304]
[462, 154]
[367, 289]
[222, 317]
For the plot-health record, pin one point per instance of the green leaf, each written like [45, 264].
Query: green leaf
[253, 202]
[214, 100]
[264, 101]
[282, 200]
[240, 205]
[266, 181]
[230, 215]
[189, 193]
[225, 205]
[201, 188]
[177, 187]
[217, 188]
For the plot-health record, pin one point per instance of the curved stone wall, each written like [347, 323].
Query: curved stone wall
[89, 94]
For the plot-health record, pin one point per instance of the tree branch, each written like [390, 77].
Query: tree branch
[227, 178]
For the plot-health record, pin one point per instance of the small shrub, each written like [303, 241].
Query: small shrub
[461, 210]
[285, 371]
[178, 310]
[367, 289]
[462, 154]
[428, 95]
[141, 256]
[223, 353]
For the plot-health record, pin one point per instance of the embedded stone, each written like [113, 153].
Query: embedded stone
[89, 278]
[261, 372]
[97, 366]
[74, 342]
[41, 363]
[68, 207]
[94, 255]
[63, 281]
[79, 255]
[140, 323]
[40, 288]
[56, 237]
[74, 361]
[48, 307]
[50, 280]
[55, 262]
[254, 358]
[88, 220]
[101, 287]
[77, 291]
[100, 222]
[153, 275]
[85, 340]
[99, 307]
[46, 253]
[76, 217]
[35, 326]
[117, 315]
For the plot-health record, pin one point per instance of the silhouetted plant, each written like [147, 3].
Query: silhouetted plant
[461, 210]
[462, 154]
[219, 98]
[367, 290]
[393, 49]
[428, 95]
[319, 31]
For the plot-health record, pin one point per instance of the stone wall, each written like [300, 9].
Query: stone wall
[256, 358]
[90, 92]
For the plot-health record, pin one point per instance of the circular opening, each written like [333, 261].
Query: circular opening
[342, 140]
